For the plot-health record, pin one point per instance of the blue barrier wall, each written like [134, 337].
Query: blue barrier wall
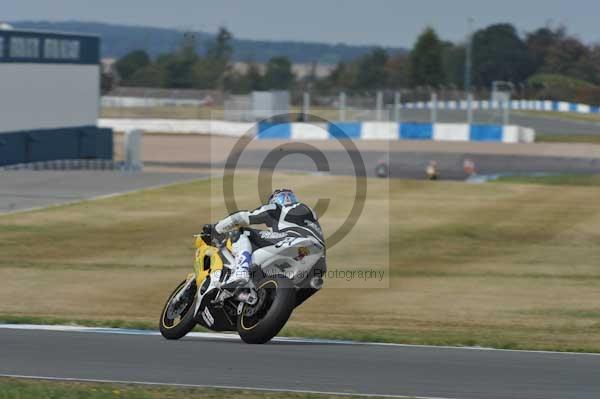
[344, 130]
[274, 131]
[531, 105]
[416, 131]
[86, 142]
[397, 131]
[485, 133]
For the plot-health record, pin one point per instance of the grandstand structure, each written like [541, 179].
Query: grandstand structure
[50, 97]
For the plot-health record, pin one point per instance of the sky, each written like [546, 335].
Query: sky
[374, 22]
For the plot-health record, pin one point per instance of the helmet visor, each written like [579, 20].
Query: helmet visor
[284, 198]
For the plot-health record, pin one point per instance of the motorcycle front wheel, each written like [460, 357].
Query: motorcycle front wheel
[177, 317]
[259, 323]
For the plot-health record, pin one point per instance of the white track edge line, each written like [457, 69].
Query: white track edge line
[235, 337]
[228, 387]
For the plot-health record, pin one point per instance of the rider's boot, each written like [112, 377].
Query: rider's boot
[242, 249]
[241, 275]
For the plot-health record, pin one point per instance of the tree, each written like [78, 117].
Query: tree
[188, 48]
[150, 76]
[132, 62]
[221, 49]
[398, 71]
[279, 74]
[453, 61]
[242, 83]
[211, 71]
[208, 73]
[371, 72]
[342, 77]
[107, 82]
[179, 66]
[571, 58]
[540, 42]
[426, 60]
[500, 54]
[254, 78]
[595, 59]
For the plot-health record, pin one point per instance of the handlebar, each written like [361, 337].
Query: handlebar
[211, 237]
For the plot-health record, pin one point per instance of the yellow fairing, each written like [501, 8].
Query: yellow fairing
[216, 263]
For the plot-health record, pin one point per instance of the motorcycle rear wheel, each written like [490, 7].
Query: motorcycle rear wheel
[177, 327]
[258, 324]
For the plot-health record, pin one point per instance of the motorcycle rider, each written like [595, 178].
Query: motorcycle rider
[290, 224]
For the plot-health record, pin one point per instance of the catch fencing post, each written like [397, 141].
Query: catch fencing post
[342, 106]
[305, 106]
[506, 112]
[379, 106]
[397, 99]
[133, 150]
[470, 108]
[434, 105]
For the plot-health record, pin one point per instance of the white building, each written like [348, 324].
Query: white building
[49, 97]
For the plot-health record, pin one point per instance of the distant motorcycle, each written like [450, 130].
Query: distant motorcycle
[257, 311]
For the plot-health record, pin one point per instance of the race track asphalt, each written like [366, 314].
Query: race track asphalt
[22, 190]
[319, 366]
[407, 165]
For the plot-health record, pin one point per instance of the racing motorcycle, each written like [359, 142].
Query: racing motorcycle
[258, 310]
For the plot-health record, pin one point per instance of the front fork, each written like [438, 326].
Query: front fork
[191, 278]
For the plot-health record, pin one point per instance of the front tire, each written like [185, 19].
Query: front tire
[177, 319]
[258, 324]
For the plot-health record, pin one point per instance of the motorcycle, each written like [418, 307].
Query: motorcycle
[258, 310]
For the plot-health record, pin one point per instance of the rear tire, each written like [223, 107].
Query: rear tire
[260, 323]
[176, 328]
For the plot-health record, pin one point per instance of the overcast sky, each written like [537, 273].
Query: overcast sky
[381, 22]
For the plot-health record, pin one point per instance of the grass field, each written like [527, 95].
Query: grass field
[540, 137]
[555, 180]
[39, 389]
[329, 113]
[501, 265]
[179, 112]
[574, 116]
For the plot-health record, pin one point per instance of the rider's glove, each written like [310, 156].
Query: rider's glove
[215, 235]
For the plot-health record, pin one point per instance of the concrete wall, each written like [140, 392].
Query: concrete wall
[341, 130]
[85, 142]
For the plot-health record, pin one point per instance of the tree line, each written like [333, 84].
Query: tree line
[186, 69]
[547, 62]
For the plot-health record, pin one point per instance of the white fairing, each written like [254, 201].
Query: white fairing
[292, 257]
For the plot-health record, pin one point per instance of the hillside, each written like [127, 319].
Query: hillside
[118, 40]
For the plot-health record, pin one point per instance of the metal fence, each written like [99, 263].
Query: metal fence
[419, 105]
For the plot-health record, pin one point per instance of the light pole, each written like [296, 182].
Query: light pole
[469, 69]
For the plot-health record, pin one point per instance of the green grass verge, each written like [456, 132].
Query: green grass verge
[498, 265]
[572, 116]
[554, 180]
[11, 388]
[42, 320]
[568, 138]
